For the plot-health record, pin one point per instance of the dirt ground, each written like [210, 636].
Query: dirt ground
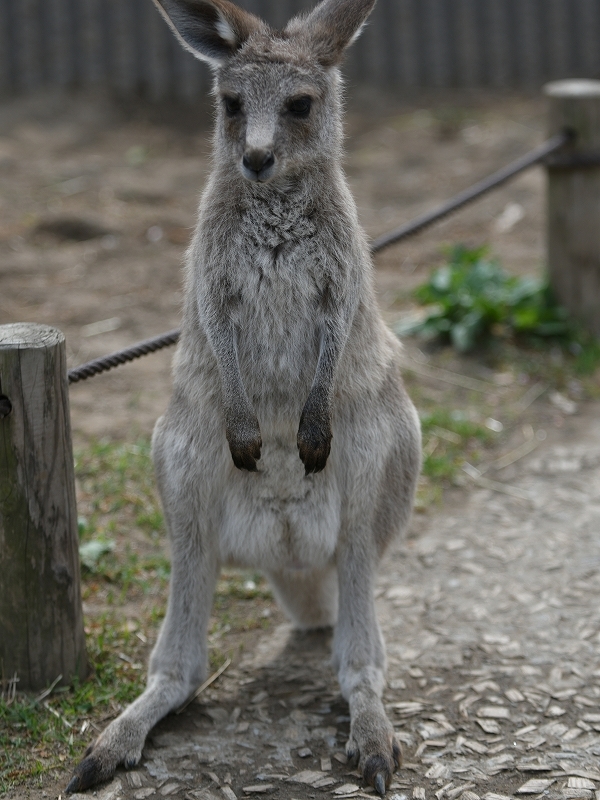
[490, 613]
[489, 607]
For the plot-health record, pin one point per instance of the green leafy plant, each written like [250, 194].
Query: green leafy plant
[471, 297]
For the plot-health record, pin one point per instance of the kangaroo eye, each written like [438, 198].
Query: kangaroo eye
[300, 106]
[233, 106]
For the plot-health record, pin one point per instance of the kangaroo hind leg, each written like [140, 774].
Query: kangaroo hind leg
[179, 660]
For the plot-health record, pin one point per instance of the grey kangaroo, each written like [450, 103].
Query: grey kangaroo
[289, 444]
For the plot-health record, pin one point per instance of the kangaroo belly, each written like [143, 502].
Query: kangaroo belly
[277, 518]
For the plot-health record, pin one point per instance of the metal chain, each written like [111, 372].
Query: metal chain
[532, 158]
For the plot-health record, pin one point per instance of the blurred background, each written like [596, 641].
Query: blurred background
[105, 140]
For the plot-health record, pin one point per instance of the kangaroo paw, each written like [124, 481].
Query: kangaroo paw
[101, 760]
[377, 752]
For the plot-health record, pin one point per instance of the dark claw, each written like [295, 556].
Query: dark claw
[397, 754]
[314, 463]
[244, 461]
[379, 784]
[314, 441]
[87, 773]
[314, 457]
[245, 457]
[130, 763]
[375, 769]
[73, 785]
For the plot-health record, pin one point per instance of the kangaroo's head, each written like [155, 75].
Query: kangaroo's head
[278, 104]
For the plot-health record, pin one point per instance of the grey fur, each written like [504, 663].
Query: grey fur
[286, 370]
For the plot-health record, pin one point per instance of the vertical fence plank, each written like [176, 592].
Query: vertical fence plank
[558, 62]
[122, 24]
[483, 41]
[583, 44]
[26, 50]
[90, 36]
[436, 39]
[420, 33]
[159, 61]
[468, 67]
[404, 53]
[543, 38]
[498, 43]
[523, 51]
[60, 70]
[123, 44]
[592, 36]
[373, 44]
[7, 65]
[189, 75]
[589, 37]
[390, 38]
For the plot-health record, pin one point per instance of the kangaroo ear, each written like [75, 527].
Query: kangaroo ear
[211, 29]
[331, 27]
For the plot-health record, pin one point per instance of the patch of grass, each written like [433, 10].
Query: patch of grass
[243, 585]
[561, 363]
[125, 574]
[114, 477]
[122, 526]
[586, 353]
[450, 439]
[510, 335]
[38, 734]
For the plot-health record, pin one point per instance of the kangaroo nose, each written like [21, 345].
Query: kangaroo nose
[258, 160]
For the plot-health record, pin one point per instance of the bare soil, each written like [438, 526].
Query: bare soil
[489, 607]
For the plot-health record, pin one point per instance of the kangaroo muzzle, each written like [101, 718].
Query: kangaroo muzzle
[258, 164]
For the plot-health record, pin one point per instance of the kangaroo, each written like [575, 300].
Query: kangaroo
[290, 444]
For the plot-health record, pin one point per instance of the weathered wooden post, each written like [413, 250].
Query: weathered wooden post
[41, 624]
[574, 200]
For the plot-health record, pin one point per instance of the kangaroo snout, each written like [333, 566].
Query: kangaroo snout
[257, 164]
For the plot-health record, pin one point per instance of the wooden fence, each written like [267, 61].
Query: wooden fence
[125, 46]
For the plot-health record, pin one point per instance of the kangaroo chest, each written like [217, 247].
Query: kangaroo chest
[277, 286]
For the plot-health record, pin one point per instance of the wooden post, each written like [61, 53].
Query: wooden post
[574, 200]
[41, 623]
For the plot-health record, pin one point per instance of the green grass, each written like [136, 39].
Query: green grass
[117, 496]
[125, 574]
[449, 440]
[115, 477]
[37, 736]
[495, 324]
